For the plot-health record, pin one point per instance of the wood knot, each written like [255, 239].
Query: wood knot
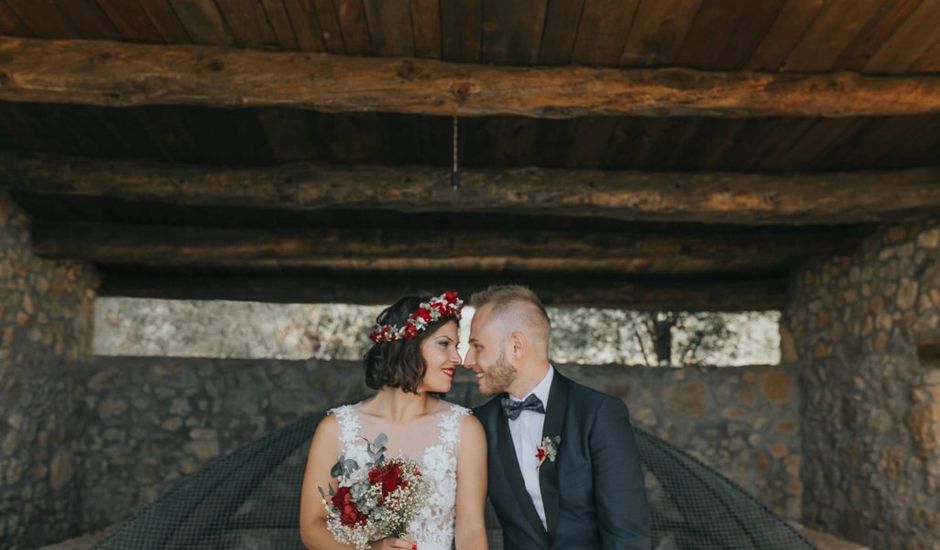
[104, 56]
[408, 70]
[215, 65]
[461, 91]
[4, 79]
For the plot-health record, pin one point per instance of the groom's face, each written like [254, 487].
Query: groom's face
[487, 355]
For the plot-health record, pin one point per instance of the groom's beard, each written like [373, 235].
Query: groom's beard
[498, 376]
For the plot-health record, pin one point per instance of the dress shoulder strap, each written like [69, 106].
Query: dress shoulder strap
[449, 425]
[348, 421]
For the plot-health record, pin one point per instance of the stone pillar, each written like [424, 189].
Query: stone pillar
[864, 329]
[45, 336]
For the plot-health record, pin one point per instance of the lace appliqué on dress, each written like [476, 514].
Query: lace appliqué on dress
[433, 528]
[354, 447]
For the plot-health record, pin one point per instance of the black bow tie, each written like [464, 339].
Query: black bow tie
[514, 408]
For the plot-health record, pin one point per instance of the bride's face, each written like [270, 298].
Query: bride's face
[439, 351]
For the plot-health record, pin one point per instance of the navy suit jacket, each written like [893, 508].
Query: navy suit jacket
[593, 492]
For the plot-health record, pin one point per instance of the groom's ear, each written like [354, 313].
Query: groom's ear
[518, 343]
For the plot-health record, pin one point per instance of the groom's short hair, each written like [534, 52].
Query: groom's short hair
[518, 307]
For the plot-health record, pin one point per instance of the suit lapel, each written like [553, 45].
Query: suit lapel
[548, 472]
[510, 463]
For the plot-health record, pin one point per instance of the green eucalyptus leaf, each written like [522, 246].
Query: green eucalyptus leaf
[380, 440]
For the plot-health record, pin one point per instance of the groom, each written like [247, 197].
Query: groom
[563, 466]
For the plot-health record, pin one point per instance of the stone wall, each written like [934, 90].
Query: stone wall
[45, 335]
[154, 420]
[864, 329]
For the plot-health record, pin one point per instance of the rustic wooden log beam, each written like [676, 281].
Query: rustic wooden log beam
[733, 198]
[361, 288]
[458, 250]
[123, 74]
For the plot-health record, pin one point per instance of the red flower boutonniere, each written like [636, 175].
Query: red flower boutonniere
[548, 450]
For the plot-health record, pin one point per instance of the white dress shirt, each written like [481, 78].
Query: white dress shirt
[526, 434]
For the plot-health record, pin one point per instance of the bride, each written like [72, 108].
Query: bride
[413, 359]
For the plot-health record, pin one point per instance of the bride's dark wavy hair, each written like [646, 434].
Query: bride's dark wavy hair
[399, 364]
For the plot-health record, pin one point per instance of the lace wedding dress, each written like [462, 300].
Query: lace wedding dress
[432, 441]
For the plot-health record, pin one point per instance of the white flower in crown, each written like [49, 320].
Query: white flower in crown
[548, 450]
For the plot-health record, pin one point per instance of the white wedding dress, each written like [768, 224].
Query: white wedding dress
[431, 440]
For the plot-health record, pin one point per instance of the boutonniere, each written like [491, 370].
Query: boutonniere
[548, 450]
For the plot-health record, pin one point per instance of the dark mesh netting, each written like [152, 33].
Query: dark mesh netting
[249, 499]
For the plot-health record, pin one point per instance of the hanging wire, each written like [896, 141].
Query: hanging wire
[455, 169]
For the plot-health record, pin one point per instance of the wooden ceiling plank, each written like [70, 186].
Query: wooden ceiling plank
[329, 22]
[203, 22]
[822, 134]
[706, 197]
[561, 29]
[725, 34]
[712, 142]
[835, 27]
[115, 74]
[280, 21]
[831, 155]
[676, 152]
[625, 138]
[19, 129]
[905, 47]
[306, 25]
[890, 16]
[248, 23]
[625, 252]
[789, 131]
[390, 26]
[658, 31]
[89, 19]
[168, 130]
[737, 152]
[896, 136]
[462, 30]
[130, 19]
[513, 141]
[164, 19]
[585, 290]
[426, 23]
[591, 139]
[658, 141]
[603, 31]
[925, 135]
[11, 24]
[352, 20]
[125, 127]
[792, 22]
[43, 18]
[512, 31]
[929, 61]
[553, 139]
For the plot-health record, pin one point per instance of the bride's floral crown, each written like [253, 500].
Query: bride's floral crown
[441, 307]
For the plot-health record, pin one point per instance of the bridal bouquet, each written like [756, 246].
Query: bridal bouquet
[375, 500]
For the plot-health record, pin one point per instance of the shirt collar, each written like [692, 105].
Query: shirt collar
[542, 389]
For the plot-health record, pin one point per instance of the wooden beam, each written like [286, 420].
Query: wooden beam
[383, 288]
[732, 198]
[124, 74]
[457, 250]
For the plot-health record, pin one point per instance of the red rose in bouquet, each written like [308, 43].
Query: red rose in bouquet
[389, 476]
[349, 513]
